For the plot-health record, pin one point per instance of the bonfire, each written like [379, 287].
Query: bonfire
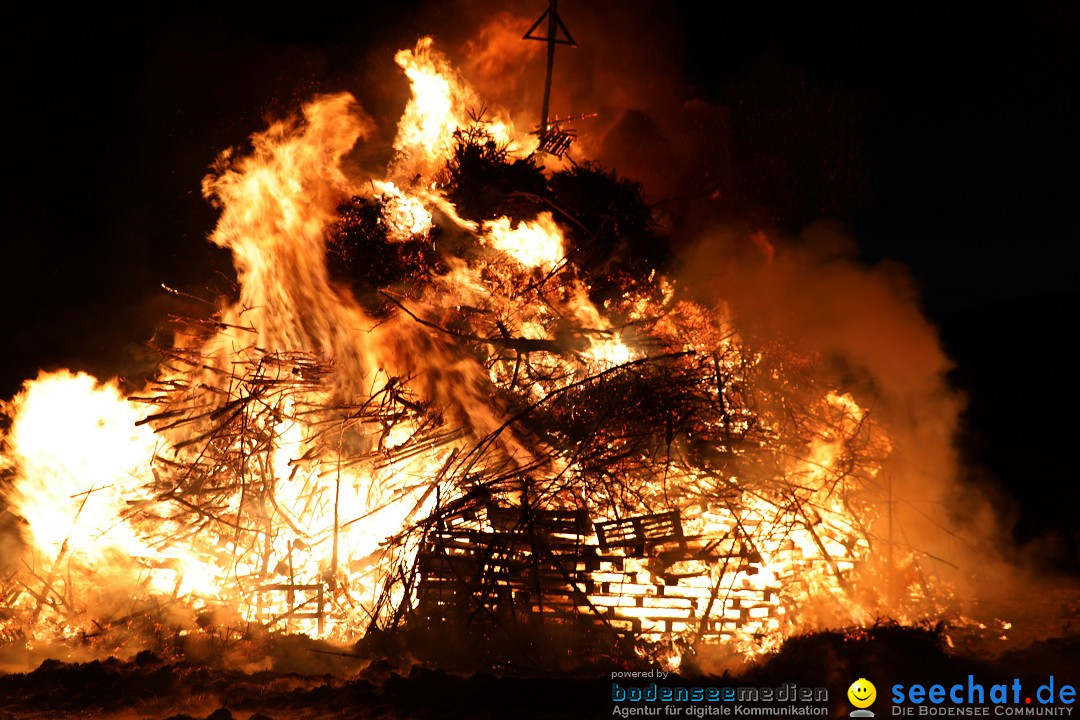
[448, 401]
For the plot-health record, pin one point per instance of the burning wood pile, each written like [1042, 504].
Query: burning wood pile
[483, 413]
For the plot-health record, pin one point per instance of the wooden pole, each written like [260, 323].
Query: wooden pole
[337, 520]
[890, 583]
[553, 19]
[554, 24]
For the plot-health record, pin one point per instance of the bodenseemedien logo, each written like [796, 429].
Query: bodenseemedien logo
[862, 694]
[678, 700]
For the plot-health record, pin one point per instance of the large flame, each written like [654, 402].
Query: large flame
[80, 457]
[281, 462]
[276, 205]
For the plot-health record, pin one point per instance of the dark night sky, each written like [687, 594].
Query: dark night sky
[966, 167]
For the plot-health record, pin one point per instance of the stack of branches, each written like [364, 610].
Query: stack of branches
[249, 477]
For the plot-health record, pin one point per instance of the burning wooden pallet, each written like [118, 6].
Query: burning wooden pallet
[638, 576]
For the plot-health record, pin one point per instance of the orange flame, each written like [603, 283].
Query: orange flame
[536, 244]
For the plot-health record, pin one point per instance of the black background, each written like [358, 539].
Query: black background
[966, 167]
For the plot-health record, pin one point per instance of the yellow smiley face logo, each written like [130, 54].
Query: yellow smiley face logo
[862, 693]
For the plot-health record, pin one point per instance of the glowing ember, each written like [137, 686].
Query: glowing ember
[405, 216]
